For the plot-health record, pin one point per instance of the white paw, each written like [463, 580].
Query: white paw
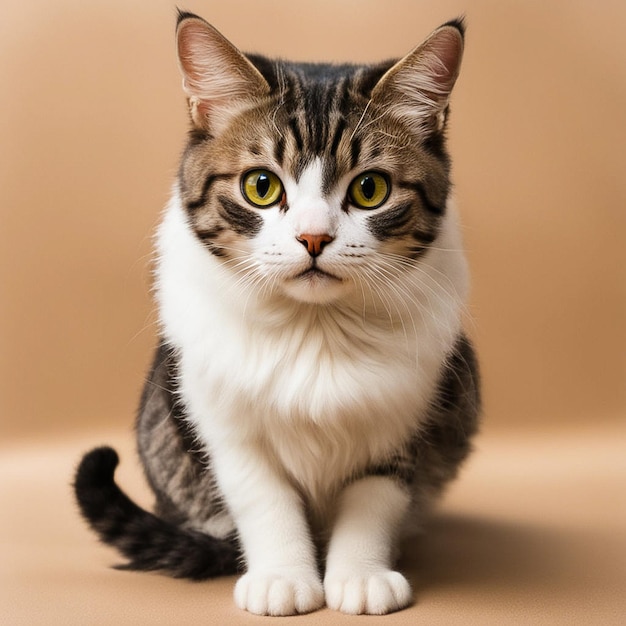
[375, 593]
[279, 592]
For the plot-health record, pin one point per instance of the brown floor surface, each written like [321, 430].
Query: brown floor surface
[534, 532]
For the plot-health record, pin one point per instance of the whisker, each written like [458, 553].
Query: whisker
[401, 296]
[356, 128]
[448, 289]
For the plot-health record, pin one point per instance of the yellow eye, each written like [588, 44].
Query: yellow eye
[369, 190]
[261, 188]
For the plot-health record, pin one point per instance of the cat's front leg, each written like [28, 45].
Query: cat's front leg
[282, 576]
[359, 576]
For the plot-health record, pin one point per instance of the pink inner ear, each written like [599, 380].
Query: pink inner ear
[218, 79]
[447, 47]
[192, 43]
[213, 68]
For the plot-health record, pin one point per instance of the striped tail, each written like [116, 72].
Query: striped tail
[148, 542]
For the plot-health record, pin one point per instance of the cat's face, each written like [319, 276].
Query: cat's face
[318, 182]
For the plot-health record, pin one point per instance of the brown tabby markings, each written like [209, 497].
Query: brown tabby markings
[320, 111]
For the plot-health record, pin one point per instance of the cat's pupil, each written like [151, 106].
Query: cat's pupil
[263, 185]
[368, 187]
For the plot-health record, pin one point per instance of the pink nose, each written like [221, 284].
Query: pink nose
[314, 243]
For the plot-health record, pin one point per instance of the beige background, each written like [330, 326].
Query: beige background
[92, 120]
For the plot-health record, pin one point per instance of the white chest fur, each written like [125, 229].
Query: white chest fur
[320, 390]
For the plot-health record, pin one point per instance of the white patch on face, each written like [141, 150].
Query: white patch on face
[281, 248]
[310, 212]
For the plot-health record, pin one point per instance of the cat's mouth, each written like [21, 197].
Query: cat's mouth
[315, 273]
[315, 286]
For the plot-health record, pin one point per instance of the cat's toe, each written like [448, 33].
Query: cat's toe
[279, 592]
[376, 593]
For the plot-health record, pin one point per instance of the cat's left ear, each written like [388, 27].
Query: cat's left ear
[417, 88]
[218, 79]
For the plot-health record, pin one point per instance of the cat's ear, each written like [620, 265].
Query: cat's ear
[218, 79]
[417, 88]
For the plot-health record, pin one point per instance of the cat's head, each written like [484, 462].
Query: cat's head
[313, 180]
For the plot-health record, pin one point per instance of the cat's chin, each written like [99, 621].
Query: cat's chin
[315, 287]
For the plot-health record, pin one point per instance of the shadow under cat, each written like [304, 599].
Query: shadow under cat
[468, 551]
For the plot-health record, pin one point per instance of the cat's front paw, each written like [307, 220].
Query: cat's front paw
[375, 593]
[279, 592]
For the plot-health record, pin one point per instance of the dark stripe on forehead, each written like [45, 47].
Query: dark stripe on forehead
[243, 221]
[316, 94]
[297, 135]
[355, 152]
[344, 98]
[337, 135]
[316, 111]
[329, 176]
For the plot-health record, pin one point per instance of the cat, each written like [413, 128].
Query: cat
[313, 390]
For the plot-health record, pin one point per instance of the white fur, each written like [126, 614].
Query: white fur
[310, 212]
[358, 579]
[294, 390]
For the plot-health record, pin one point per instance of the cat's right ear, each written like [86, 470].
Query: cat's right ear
[218, 79]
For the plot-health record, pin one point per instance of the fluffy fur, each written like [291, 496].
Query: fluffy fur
[313, 390]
